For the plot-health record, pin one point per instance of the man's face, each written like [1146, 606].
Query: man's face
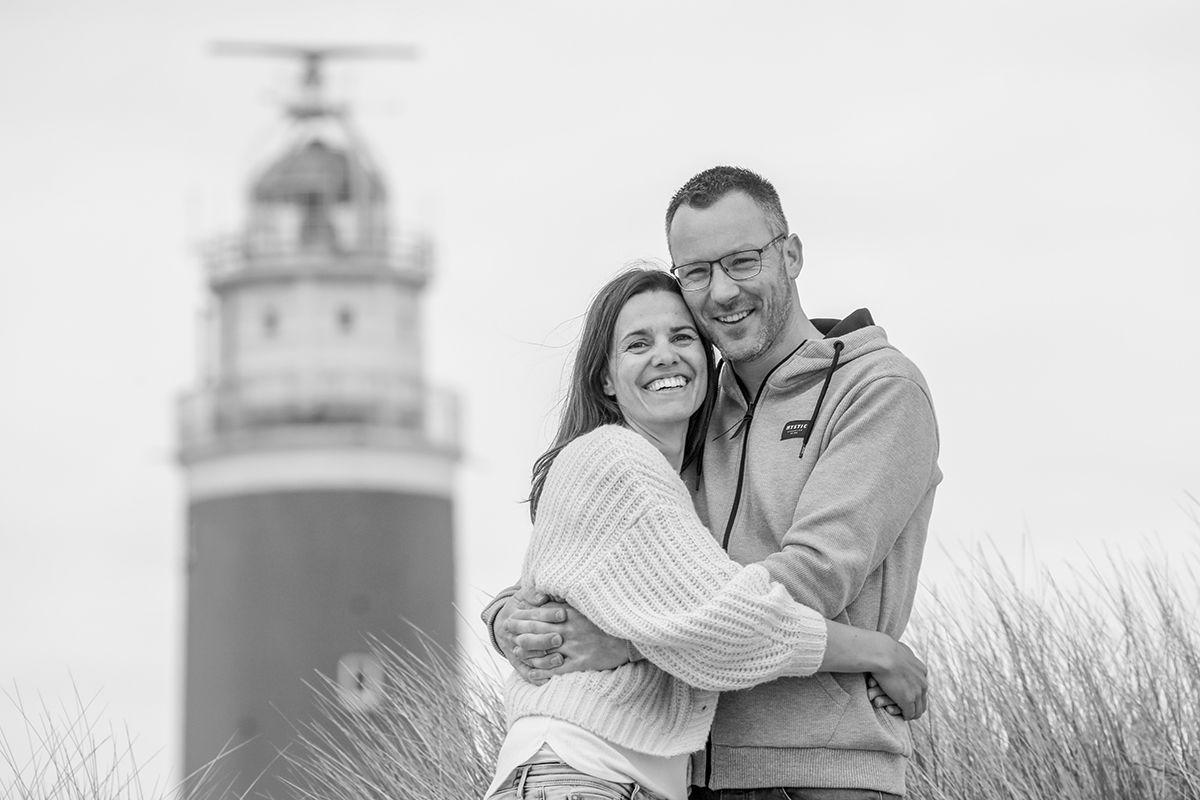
[746, 318]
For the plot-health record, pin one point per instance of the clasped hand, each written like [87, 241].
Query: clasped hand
[543, 636]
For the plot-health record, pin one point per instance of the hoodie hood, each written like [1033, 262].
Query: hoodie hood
[857, 334]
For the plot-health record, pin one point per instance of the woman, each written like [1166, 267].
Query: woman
[615, 535]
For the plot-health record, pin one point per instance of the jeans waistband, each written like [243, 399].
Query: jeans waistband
[534, 773]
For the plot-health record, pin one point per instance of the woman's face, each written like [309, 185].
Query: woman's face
[656, 368]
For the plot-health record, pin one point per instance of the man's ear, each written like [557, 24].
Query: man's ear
[793, 256]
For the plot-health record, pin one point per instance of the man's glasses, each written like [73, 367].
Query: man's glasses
[738, 266]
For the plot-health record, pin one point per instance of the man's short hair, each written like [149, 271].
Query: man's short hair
[714, 183]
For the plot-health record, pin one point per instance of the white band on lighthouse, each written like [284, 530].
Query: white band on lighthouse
[320, 468]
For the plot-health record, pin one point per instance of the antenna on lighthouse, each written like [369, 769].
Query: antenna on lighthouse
[311, 101]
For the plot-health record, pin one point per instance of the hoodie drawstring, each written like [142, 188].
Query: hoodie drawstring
[837, 353]
[738, 426]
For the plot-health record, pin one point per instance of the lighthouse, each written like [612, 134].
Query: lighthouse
[318, 464]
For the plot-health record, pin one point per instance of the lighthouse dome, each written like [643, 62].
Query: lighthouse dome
[317, 168]
[319, 195]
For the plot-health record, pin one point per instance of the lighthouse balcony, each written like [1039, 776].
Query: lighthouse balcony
[341, 406]
[238, 259]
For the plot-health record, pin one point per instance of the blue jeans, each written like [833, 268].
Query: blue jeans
[790, 793]
[564, 782]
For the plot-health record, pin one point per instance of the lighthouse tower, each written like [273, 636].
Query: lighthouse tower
[318, 463]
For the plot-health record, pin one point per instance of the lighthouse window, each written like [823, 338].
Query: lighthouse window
[270, 323]
[359, 681]
[345, 320]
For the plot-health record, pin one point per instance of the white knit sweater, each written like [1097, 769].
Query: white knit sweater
[617, 538]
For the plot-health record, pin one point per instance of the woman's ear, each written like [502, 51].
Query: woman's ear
[607, 384]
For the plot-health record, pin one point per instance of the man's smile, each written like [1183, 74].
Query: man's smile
[733, 318]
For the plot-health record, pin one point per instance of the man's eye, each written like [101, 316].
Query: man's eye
[694, 272]
[740, 261]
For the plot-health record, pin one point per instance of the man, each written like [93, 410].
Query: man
[821, 464]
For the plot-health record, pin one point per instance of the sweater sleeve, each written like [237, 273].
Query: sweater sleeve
[668, 588]
[656, 577]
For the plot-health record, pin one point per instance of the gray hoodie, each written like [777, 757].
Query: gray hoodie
[827, 476]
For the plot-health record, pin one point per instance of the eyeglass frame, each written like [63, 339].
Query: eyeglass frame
[758, 251]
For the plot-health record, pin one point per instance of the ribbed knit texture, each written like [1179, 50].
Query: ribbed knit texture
[617, 538]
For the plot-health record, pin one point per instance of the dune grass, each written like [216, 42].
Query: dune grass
[61, 752]
[61, 755]
[1091, 691]
[435, 735]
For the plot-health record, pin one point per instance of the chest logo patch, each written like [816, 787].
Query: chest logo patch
[796, 429]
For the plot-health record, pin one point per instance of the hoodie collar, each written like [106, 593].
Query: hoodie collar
[857, 333]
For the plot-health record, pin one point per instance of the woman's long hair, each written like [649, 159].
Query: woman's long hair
[587, 407]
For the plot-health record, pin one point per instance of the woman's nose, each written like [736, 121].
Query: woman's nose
[663, 354]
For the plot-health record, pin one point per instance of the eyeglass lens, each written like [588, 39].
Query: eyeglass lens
[738, 266]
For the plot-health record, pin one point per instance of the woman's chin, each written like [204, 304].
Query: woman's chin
[663, 415]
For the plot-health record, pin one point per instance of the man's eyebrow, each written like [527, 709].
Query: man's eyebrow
[740, 249]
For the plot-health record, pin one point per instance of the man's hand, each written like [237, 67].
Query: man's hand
[902, 689]
[542, 637]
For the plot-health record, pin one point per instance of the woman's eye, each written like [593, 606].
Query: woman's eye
[684, 338]
[638, 345]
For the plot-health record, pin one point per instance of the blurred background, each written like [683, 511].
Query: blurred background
[1011, 189]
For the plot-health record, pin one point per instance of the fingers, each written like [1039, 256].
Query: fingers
[922, 704]
[530, 597]
[537, 644]
[531, 634]
[909, 702]
[546, 663]
[551, 613]
[916, 709]
[530, 675]
[879, 699]
[536, 676]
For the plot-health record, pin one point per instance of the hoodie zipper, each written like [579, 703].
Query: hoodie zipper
[742, 428]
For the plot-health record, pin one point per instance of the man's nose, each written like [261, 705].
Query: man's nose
[721, 287]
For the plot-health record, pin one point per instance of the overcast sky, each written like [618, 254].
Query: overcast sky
[1011, 188]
